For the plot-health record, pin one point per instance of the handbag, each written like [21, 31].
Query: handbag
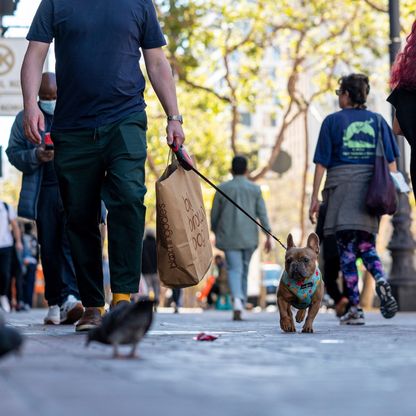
[381, 196]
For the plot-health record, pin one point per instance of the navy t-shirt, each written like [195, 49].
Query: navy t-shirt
[350, 136]
[97, 57]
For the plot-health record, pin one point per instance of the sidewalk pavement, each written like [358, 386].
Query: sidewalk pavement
[252, 369]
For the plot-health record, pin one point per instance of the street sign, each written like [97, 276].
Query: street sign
[282, 163]
[12, 52]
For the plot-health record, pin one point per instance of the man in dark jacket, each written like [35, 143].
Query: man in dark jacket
[40, 201]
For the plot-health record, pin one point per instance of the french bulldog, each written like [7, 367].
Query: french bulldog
[301, 285]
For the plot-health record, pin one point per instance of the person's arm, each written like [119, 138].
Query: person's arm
[317, 179]
[393, 166]
[160, 75]
[396, 127]
[215, 212]
[19, 152]
[16, 234]
[261, 213]
[31, 75]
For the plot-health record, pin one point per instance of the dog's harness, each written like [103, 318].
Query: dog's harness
[304, 289]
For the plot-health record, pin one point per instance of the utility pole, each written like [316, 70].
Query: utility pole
[402, 244]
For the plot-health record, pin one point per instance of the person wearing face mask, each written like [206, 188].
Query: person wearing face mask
[40, 201]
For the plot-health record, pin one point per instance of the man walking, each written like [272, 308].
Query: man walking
[99, 129]
[10, 239]
[235, 233]
[40, 201]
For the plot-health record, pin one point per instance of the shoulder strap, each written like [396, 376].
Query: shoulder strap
[6, 205]
[380, 144]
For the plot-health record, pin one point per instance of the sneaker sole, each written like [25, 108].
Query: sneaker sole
[356, 322]
[73, 315]
[50, 322]
[389, 305]
[85, 327]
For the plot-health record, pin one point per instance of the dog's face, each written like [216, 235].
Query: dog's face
[300, 263]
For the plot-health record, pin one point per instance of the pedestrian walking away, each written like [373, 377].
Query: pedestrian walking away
[30, 264]
[234, 234]
[40, 200]
[99, 130]
[149, 266]
[330, 265]
[403, 98]
[346, 149]
[10, 240]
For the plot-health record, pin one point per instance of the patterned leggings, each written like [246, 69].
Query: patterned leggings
[353, 244]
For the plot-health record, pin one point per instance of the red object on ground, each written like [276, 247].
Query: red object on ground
[205, 337]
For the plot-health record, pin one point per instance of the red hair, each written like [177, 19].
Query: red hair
[403, 73]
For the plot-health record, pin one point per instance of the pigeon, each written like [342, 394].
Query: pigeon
[125, 325]
[10, 339]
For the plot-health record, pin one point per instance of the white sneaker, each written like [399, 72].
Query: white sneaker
[71, 310]
[4, 304]
[53, 316]
[354, 316]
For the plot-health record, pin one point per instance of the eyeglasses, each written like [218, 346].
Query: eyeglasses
[339, 92]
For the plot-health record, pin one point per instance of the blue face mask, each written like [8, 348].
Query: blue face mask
[48, 106]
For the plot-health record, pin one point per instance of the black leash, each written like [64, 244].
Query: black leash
[187, 163]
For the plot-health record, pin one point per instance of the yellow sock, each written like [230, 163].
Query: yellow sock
[118, 297]
[102, 310]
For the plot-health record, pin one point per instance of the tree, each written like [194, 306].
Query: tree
[219, 53]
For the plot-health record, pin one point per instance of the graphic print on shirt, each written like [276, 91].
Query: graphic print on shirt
[359, 140]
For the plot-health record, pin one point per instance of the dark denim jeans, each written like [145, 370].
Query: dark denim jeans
[58, 268]
[5, 269]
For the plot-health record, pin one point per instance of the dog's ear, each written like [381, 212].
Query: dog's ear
[290, 242]
[313, 242]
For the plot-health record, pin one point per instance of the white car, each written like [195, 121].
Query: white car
[271, 274]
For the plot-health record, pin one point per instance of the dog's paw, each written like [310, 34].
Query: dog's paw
[300, 315]
[307, 329]
[287, 325]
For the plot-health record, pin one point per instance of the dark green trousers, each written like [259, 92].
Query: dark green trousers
[106, 163]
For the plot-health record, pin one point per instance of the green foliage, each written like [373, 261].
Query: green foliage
[232, 56]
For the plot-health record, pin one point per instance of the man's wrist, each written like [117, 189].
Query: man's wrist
[175, 117]
[30, 103]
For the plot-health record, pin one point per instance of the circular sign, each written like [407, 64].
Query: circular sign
[7, 59]
[282, 163]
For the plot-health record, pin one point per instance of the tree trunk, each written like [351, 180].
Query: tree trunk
[305, 177]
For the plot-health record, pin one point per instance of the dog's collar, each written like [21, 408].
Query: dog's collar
[303, 290]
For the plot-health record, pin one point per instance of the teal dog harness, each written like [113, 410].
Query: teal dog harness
[303, 289]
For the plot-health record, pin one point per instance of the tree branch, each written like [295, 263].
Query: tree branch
[376, 6]
[234, 105]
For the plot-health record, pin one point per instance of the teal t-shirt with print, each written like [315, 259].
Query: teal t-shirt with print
[304, 289]
[349, 136]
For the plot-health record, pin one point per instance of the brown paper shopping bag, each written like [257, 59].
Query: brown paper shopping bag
[184, 251]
